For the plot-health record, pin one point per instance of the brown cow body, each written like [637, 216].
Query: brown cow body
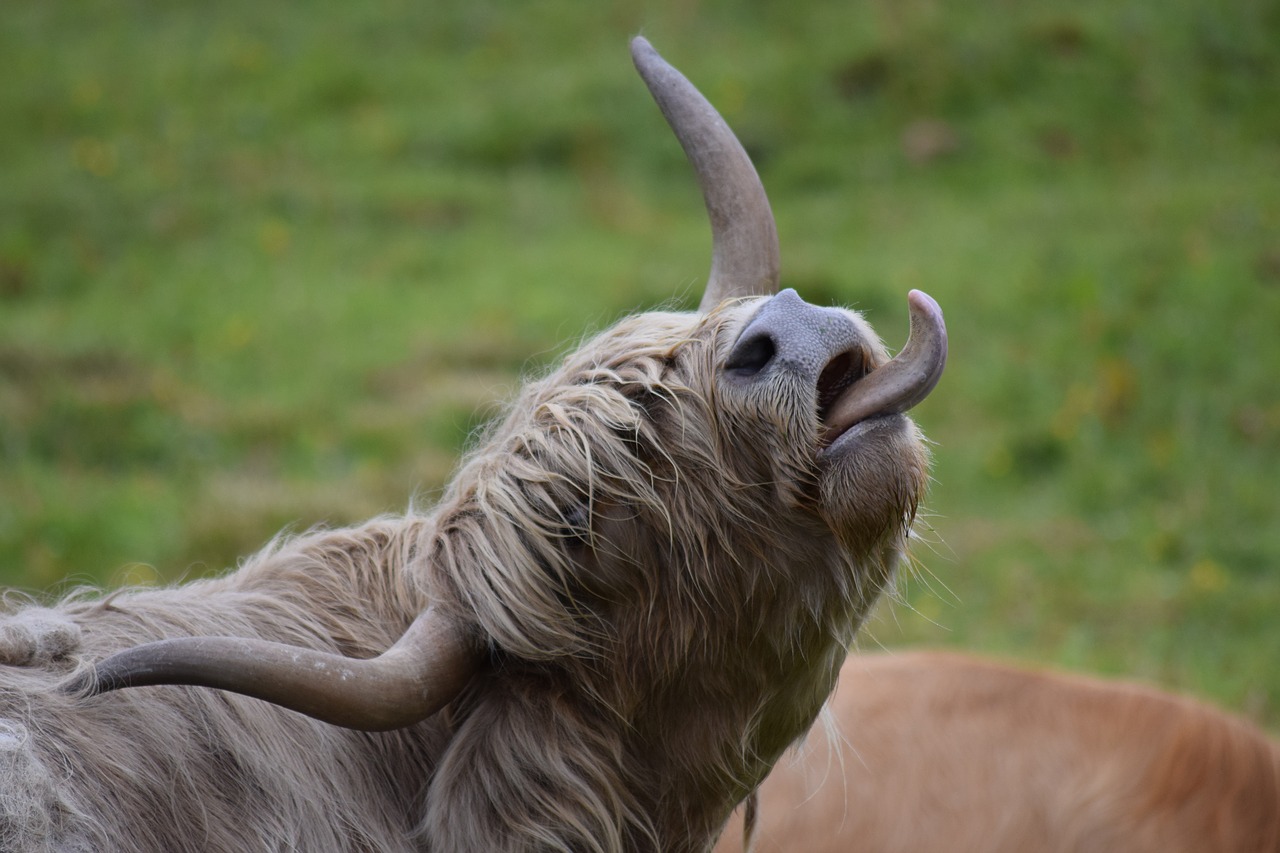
[942, 752]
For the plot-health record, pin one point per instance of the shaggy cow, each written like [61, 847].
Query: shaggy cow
[940, 752]
[635, 594]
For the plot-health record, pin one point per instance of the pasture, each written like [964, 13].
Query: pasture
[263, 267]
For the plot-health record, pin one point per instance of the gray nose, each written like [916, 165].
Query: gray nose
[790, 333]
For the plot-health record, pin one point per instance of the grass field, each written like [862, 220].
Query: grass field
[266, 266]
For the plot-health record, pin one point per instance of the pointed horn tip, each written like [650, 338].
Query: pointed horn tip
[643, 54]
[649, 62]
[643, 51]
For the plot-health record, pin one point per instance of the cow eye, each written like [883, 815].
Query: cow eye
[576, 531]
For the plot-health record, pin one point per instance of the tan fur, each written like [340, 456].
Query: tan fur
[942, 752]
[663, 575]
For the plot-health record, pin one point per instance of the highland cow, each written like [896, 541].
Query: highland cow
[930, 751]
[636, 592]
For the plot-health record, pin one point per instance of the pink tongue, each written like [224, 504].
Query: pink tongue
[906, 379]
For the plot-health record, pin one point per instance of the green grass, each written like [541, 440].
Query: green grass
[265, 267]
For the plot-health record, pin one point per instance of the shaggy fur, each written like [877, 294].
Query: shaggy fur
[665, 574]
[188, 769]
[940, 752]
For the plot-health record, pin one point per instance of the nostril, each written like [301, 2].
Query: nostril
[751, 355]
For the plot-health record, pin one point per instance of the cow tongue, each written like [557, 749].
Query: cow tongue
[902, 382]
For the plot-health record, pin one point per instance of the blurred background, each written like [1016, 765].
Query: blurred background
[265, 266]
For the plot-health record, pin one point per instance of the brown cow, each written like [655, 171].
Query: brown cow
[928, 751]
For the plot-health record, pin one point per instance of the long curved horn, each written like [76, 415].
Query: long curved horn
[425, 669]
[744, 238]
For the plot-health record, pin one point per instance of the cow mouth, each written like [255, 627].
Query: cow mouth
[840, 375]
[849, 392]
